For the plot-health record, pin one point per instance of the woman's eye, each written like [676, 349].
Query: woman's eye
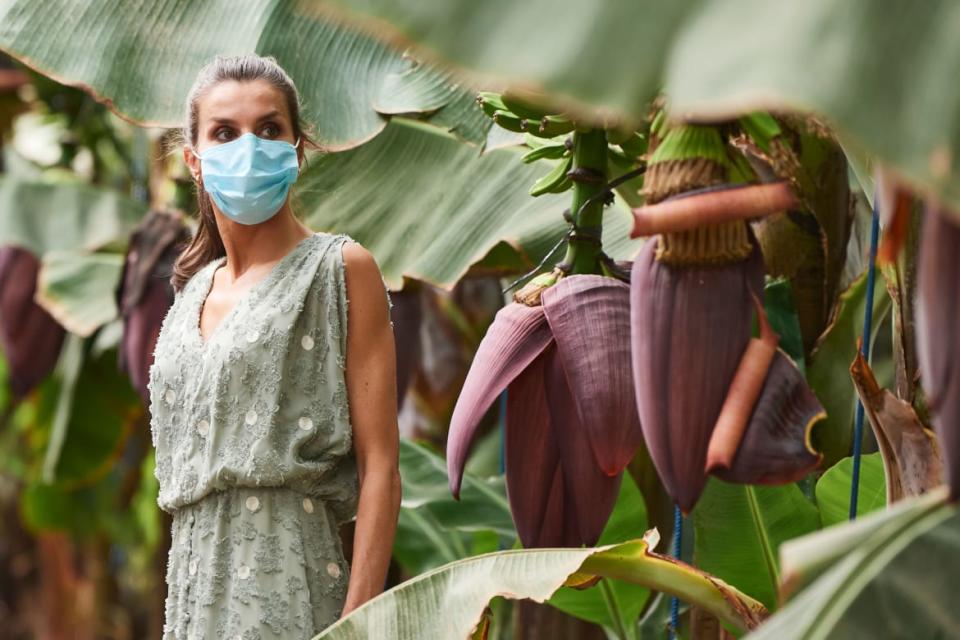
[270, 131]
[223, 135]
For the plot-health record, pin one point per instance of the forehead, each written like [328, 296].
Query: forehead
[240, 101]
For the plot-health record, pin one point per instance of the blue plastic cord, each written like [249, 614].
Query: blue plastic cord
[677, 547]
[865, 350]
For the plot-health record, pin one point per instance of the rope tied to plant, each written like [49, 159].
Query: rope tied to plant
[588, 234]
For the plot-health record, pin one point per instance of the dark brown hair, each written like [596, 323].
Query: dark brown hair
[206, 244]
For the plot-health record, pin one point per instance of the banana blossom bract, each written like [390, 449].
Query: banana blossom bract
[571, 419]
[691, 328]
[31, 338]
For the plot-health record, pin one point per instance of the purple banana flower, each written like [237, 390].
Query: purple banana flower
[31, 337]
[145, 293]
[571, 423]
[693, 295]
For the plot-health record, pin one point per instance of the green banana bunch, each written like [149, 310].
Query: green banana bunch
[516, 114]
[556, 181]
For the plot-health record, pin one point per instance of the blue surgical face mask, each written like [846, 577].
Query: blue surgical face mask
[249, 178]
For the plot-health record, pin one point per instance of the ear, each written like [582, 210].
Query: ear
[192, 162]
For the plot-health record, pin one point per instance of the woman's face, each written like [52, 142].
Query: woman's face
[230, 109]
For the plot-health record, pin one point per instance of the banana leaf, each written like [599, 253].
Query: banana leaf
[891, 574]
[140, 58]
[85, 413]
[833, 489]
[739, 530]
[828, 370]
[76, 288]
[449, 601]
[880, 71]
[46, 216]
[433, 528]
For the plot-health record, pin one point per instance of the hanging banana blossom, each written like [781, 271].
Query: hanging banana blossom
[938, 337]
[710, 398]
[145, 294]
[31, 337]
[571, 419]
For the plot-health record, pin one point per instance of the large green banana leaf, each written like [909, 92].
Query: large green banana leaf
[433, 528]
[428, 207]
[44, 216]
[891, 574]
[881, 71]
[141, 56]
[78, 288]
[448, 602]
[739, 530]
[599, 53]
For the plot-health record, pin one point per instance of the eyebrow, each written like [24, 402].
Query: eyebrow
[266, 116]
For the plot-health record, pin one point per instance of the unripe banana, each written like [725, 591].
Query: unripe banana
[552, 180]
[510, 121]
[551, 151]
[491, 102]
[552, 126]
[522, 108]
[561, 186]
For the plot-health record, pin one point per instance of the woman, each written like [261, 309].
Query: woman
[273, 410]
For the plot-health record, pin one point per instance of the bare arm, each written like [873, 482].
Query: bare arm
[372, 390]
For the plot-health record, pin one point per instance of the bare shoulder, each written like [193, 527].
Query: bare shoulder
[359, 264]
[364, 281]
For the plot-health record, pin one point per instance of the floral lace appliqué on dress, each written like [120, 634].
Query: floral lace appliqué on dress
[254, 452]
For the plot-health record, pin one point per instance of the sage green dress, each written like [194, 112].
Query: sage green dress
[254, 452]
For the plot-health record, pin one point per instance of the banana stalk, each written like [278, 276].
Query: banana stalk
[589, 176]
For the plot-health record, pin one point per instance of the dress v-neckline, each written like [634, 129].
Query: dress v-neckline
[207, 286]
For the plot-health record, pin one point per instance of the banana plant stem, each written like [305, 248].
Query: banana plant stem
[590, 156]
